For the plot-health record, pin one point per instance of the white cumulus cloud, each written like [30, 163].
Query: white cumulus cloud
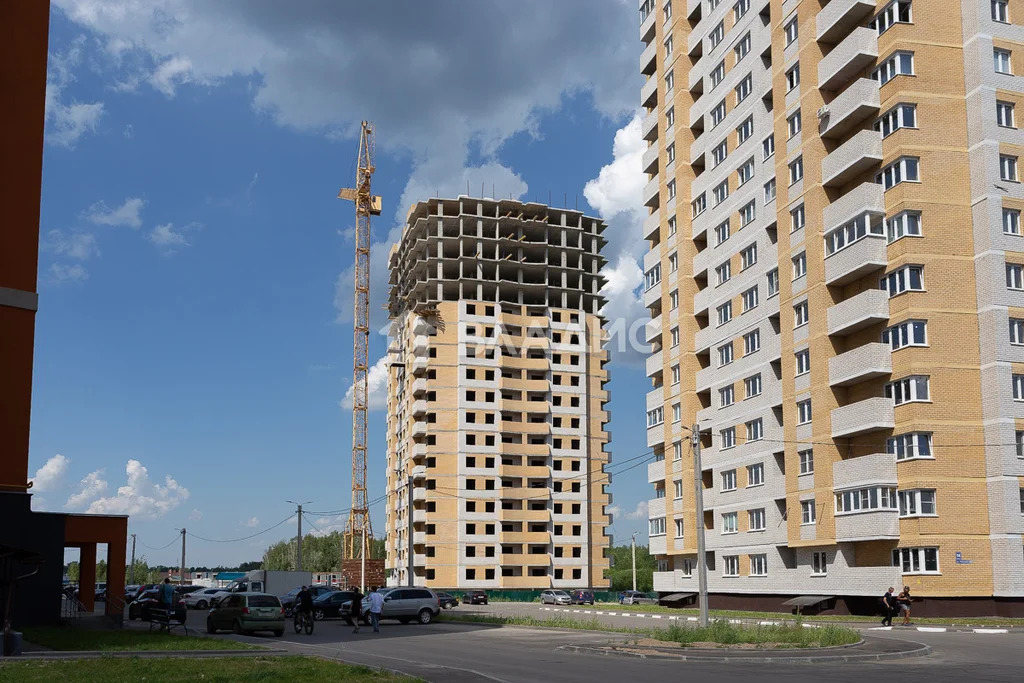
[89, 489]
[60, 273]
[51, 474]
[639, 513]
[139, 497]
[128, 213]
[76, 245]
[195, 515]
[376, 385]
[67, 120]
[165, 236]
[252, 522]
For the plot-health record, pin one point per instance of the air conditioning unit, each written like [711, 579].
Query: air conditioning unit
[823, 112]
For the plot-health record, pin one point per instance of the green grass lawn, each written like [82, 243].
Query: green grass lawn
[66, 638]
[213, 669]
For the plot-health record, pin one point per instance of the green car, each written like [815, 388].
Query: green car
[247, 612]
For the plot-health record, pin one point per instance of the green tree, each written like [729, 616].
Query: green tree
[621, 573]
[280, 556]
[245, 566]
[73, 571]
[101, 570]
[138, 572]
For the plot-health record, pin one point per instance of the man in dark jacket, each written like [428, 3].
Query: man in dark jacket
[356, 610]
[888, 607]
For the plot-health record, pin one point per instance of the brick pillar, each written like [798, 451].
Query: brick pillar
[87, 576]
[116, 564]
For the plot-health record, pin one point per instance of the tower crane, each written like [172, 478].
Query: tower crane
[357, 528]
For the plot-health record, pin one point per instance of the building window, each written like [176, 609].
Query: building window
[671, 189]
[773, 282]
[1000, 12]
[903, 170]
[719, 153]
[1004, 114]
[1008, 168]
[720, 192]
[752, 385]
[896, 12]
[716, 36]
[1019, 439]
[1018, 387]
[797, 218]
[739, 9]
[668, 48]
[667, 10]
[745, 172]
[670, 117]
[743, 88]
[678, 485]
[903, 224]
[673, 298]
[1017, 331]
[698, 205]
[806, 461]
[755, 430]
[808, 513]
[912, 446]
[652, 278]
[803, 411]
[677, 413]
[674, 336]
[723, 273]
[909, 333]
[792, 31]
[670, 81]
[656, 526]
[913, 389]
[755, 473]
[717, 114]
[655, 417]
[724, 313]
[794, 124]
[819, 563]
[796, 170]
[721, 233]
[729, 523]
[677, 450]
[900, 116]
[1001, 60]
[800, 314]
[728, 439]
[905, 279]
[1014, 276]
[768, 148]
[675, 374]
[769, 191]
[718, 73]
[803, 362]
[917, 503]
[756, 520]
[849, 233]
[865, 499]
[673, 262]
[897, 64]
[799, 265]
[743, 47]
[751, 342]
[726, 396]
[672, 225]
[748, 257]
[679, 528]
[759, 565]
[749, 299]
[731, 565]
[916, 560]
[793, 77]
[745, 130]
[729, 480]
[724, 354]
[747, 214]
[1011, 221]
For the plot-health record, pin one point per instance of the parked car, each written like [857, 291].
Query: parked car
[140, 607]
[185, 590]
[407, 603]
[447, 600]
[332, 605]
[555, 597]
[200, 599]
[101, 591]
[582, 597]
[289, 599]
[140, 590]
[247, 612]
[474, 598]
[633, 598]
[130, 591]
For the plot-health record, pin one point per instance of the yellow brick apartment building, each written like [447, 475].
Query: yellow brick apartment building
[496, 399]
[836, 285]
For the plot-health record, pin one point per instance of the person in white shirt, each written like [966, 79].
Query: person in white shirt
[376, 606]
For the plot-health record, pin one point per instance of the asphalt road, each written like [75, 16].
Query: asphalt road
[471, 652]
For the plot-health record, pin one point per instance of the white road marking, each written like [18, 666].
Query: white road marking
[931, 629]
[598, 612]
[991, 630]
[655, 616]
[672, 618]
[880, 628]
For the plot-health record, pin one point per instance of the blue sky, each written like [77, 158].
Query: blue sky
[194, 335]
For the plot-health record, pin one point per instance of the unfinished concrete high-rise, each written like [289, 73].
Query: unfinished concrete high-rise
[496, 398]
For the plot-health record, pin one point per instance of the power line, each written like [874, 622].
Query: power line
[168, 544]
[243, 538]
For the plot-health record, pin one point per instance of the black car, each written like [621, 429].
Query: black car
[139, 590]
[140, 606]
[332, 605]
[447, 600]
[581, 597]
[475, 597]
[289, 599]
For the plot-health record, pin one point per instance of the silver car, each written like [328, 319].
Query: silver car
[406, 603]
[555, 597]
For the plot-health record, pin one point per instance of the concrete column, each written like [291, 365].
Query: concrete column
[116, 562]
[87, 576]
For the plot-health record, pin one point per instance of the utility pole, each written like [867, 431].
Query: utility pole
[298, 544]
[181, 577]
[133, 558]
[362, 568]
[702, 567]
[409, 533]
[633, 544]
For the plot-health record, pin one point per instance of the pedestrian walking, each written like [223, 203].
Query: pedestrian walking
[903, 600]
[888, 607]
[356, 610]
[376, 607]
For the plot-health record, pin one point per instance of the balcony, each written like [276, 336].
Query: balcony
[859, 101]
[863, 256]
[419, 386]
[651, 296]
[655, 508]
[419, 560]
[419, 366]
[658, 545]
[650, 193]
[649, 126]
[868, 308]
[865, 198]
[848, 58]
[419, 344]
[877, 469]
[861, 152]
[647, 26]
[876, 525]
[419, 472]
[419, 493]
[419, 407]
[656, 435]
[860, 364]
[655, 364]
[649, 161]
[839, 17]
[651, 224]
[649, 92]
[419, 429]
[648, 59]
[419, 516]
[863, 417]
[419, 537]
[656, 472]
[652, 330]
[422, 326]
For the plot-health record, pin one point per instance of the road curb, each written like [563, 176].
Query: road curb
[146, 654]
[922, 651]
